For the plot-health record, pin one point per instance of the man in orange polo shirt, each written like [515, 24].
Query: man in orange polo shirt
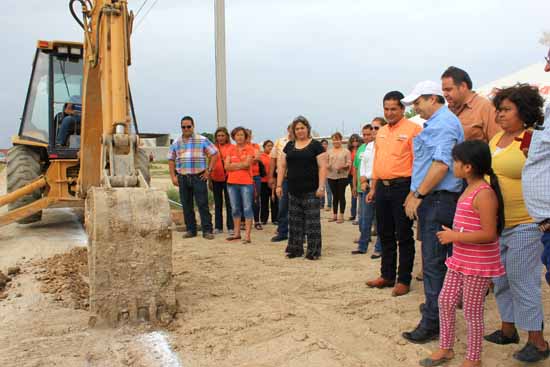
[392, 170]
[476, 113]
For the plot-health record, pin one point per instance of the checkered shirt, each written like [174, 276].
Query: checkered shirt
[191, 155]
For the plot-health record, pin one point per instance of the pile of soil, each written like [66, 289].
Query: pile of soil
[66, 277]
[5, 280]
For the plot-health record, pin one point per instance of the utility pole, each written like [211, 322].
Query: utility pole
[221, 82]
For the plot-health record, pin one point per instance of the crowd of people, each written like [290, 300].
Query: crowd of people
[473, 180]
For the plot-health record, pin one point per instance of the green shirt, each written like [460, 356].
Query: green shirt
[357, 165]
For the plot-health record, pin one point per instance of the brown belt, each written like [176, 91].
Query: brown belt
[395, 181]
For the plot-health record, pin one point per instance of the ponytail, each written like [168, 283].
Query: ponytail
[500, 211]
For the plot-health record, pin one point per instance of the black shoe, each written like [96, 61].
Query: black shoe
[421, 335]
[292, 256]
[376, 255]
[358, 252]
[189, 235]
[279, 238]
[208, 236]
[312, 257]
[498, 337]
[530, 353]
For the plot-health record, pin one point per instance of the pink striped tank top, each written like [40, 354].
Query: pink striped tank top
[480, 259]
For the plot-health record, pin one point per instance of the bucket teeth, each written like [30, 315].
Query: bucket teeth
[130, 256]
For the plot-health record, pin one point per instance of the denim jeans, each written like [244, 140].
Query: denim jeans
[366, 218]
[68, 124]
[242, 197]
[192, 187]
[353, 209]
[436, 210]
[329, 196]
[282, 227]
[221, 194]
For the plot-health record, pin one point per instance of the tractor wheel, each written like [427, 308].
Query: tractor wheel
[23, 168]
[142, 163]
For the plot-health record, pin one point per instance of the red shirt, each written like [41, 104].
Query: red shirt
[255, 165]
[218, 174]
[237, 154]
[266, 160]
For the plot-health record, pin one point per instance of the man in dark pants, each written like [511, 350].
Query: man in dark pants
[282, 225]
[189, 170]
[433, 196]
[393, 159]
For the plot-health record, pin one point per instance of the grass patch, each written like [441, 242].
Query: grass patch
[174, 195]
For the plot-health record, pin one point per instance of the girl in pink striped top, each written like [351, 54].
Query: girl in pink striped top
[479, 218]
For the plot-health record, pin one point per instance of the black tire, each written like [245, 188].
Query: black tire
[23, 168]
[142, 163]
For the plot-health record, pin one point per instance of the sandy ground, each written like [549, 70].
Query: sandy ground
[240, 305]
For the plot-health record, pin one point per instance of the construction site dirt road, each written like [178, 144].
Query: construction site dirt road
[239, 305]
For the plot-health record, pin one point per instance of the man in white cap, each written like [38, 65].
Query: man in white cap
[434, 194]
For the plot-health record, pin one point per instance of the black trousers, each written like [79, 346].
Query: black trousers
[221, 194]
[395, 231]
[266, 202]
[304, 222]
[338, 188]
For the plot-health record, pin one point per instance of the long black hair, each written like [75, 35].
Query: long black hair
[477, 154]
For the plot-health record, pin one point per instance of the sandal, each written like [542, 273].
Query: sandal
[340, 221]
[233, 238]
[258, 226]
[246, 241]
[332, 219]
[429, 362]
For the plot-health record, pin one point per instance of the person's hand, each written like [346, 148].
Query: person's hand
[364, 186]
[320, 193]
[446, 236]
[205, 175]
[370, 197]
[411, 206]
[175, 181]
[279, 192]
[354, 192]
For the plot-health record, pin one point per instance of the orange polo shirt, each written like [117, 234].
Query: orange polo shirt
[219, 174]
[393, 156]
[478, 118]
[237, 154]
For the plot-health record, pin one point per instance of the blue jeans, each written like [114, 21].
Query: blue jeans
[192, 187]
[67, 124]
[329, 196]
[282, 227]
[353, 209]
[436, 210]
[242, 197]
[366, 218]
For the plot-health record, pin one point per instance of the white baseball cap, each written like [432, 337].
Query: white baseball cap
[427, 87]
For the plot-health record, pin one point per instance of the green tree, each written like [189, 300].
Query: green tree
[209, 136]
[410, 113]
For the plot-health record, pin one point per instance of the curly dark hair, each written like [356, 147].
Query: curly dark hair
[527, 99]
[301, 120]
[237, 129]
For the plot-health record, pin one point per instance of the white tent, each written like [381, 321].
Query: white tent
[533, 74]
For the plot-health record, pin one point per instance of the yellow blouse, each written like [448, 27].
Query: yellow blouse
[508, 163]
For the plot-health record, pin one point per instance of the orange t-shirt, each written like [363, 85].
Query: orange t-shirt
[393, 157]
[266, 160]
[237, 154]
[218, 174]
[255, 165]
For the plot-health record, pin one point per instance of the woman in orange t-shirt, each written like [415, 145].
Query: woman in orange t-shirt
[267, 197]
[238, 164]
[218, 183]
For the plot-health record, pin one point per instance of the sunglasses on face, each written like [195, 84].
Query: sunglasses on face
[376, 127]
[185, 127]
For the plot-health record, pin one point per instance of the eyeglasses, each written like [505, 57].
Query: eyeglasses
[376, 127]
[185, 127]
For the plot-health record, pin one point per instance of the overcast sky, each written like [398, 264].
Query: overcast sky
[330, 60]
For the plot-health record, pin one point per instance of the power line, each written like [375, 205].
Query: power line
[141, 7]
[146, 13]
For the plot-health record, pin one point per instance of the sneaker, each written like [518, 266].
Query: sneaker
[231, 232]
[217, 231]
[530, 353]
[355, 222]
[208, 236]
[189, 235]
[421, 335]
[278, 238]
[358, 252]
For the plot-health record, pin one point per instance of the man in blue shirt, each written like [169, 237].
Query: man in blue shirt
[434, 194]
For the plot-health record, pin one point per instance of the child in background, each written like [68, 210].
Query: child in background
[479, 219]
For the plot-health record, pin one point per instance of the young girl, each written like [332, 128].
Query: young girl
[479, 219]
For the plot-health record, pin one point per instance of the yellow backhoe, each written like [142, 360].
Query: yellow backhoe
[78, 141]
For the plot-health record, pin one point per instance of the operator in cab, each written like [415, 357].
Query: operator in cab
[71, 121]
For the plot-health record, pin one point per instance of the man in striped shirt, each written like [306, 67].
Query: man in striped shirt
[190, 170]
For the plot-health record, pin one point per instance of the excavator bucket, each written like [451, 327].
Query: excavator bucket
[130, 255]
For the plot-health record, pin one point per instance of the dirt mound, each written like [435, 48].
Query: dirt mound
[66, 277]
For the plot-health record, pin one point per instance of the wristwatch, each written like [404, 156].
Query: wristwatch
[418, 195]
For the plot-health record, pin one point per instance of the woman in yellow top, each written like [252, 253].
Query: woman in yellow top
[518, 293]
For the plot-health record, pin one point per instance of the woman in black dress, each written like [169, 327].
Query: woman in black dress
[304, 162]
